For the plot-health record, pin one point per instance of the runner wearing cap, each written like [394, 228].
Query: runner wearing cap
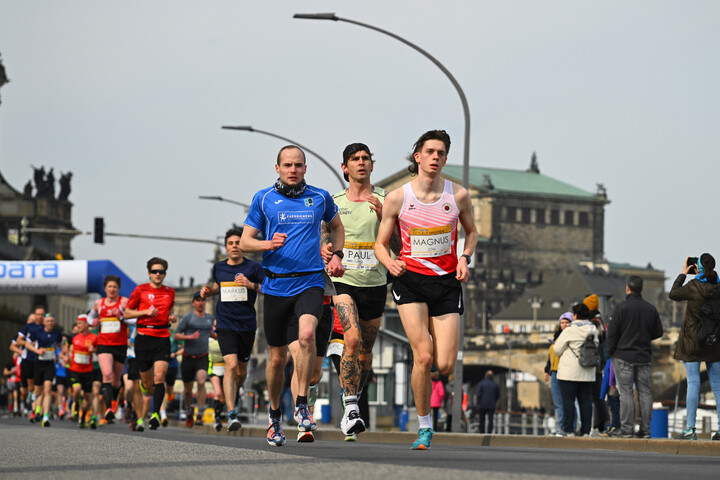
[194, 329]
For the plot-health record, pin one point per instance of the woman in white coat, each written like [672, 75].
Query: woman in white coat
[575, 380]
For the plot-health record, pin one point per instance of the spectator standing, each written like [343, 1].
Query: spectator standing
[576, 381]
[698, 291]
[488, 394]
[634, 324]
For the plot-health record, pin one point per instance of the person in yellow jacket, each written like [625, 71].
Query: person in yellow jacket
[551, 370]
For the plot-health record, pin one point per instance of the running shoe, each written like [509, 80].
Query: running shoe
[351, 422]
[93, 422]
[217, 425]
[351, 438]
[81, 422]
[32, 417]
[199, 420]
[716, 436]
[305, 437]
[140, 426]
[422, 442]
[303, 419]
[233, 422]
[275, 434]
[164, 420]
[61, 414]
[75, 411]
[189, 418]
[154, 421]
[110, 415]
[312, 395]
[687, 434]
[120, 414]
[45, 422]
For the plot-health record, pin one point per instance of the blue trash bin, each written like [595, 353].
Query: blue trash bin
[404, 415]
[325, 414]
[659, 423]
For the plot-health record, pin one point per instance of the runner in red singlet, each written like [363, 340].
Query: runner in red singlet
[112, 341]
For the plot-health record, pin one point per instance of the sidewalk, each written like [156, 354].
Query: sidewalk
[329, 433]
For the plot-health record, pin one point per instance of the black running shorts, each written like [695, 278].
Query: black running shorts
[281, 314]
[442, 294]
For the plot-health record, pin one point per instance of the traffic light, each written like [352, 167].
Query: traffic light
[99, 230]
[23, 233]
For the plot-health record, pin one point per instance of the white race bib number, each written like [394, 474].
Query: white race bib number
[430, 242]
[109, 325]
[335, 347]
[359, 256]
[218, 369]
[230, 292]
[82, 358]
[48, 355]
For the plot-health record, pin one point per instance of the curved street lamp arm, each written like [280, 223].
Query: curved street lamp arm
[325, 162]
[463, 99]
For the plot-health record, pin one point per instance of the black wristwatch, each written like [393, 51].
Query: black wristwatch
[256, 286]
[467, 257]
[339, 253]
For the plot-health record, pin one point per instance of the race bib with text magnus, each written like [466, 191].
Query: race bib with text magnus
[430, 242]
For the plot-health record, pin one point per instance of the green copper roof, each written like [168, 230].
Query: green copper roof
[516, 181]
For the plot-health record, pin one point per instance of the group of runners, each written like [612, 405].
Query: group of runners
[325, 259]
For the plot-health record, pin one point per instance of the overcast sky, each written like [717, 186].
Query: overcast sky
[130, 96]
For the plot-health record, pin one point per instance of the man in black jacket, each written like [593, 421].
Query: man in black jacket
[488, 394]
[634, 324]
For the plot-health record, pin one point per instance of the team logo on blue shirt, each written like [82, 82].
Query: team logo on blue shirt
[295, 217]
[308, 202]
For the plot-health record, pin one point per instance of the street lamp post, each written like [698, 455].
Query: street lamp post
[457, 391]
[247, 128]
[221, 199]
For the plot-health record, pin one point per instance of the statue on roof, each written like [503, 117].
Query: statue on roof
[50, 184]
[65, 185]
[27, 191]
[39, 178]
[534, 164]
[601, 190]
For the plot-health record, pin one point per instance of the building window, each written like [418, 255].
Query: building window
[540, 216]
[479, 257]
[526, 215]
[554, 217]
[584, 221]
[569, 217]
[511, 214]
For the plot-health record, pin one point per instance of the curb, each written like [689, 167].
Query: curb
[655, 445]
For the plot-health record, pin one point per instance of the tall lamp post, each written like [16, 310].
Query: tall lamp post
[247, 128]
[457, 391]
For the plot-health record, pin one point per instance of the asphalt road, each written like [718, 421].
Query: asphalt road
[64, 451]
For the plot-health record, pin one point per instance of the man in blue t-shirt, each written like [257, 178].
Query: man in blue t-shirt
[237, 280]
[27, 374]
[289, 216]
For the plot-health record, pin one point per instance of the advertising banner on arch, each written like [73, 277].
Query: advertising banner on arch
[38, 277]
[61, 277]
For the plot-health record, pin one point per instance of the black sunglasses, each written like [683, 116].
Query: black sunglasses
[161, 272]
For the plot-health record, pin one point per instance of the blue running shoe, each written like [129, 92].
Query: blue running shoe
[687, 434]
[422, 442]
[275, 434]
[303, 419]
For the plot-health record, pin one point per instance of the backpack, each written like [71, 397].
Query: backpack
[708, 333]
[589, 353]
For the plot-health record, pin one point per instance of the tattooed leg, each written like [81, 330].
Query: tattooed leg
[350, 372]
